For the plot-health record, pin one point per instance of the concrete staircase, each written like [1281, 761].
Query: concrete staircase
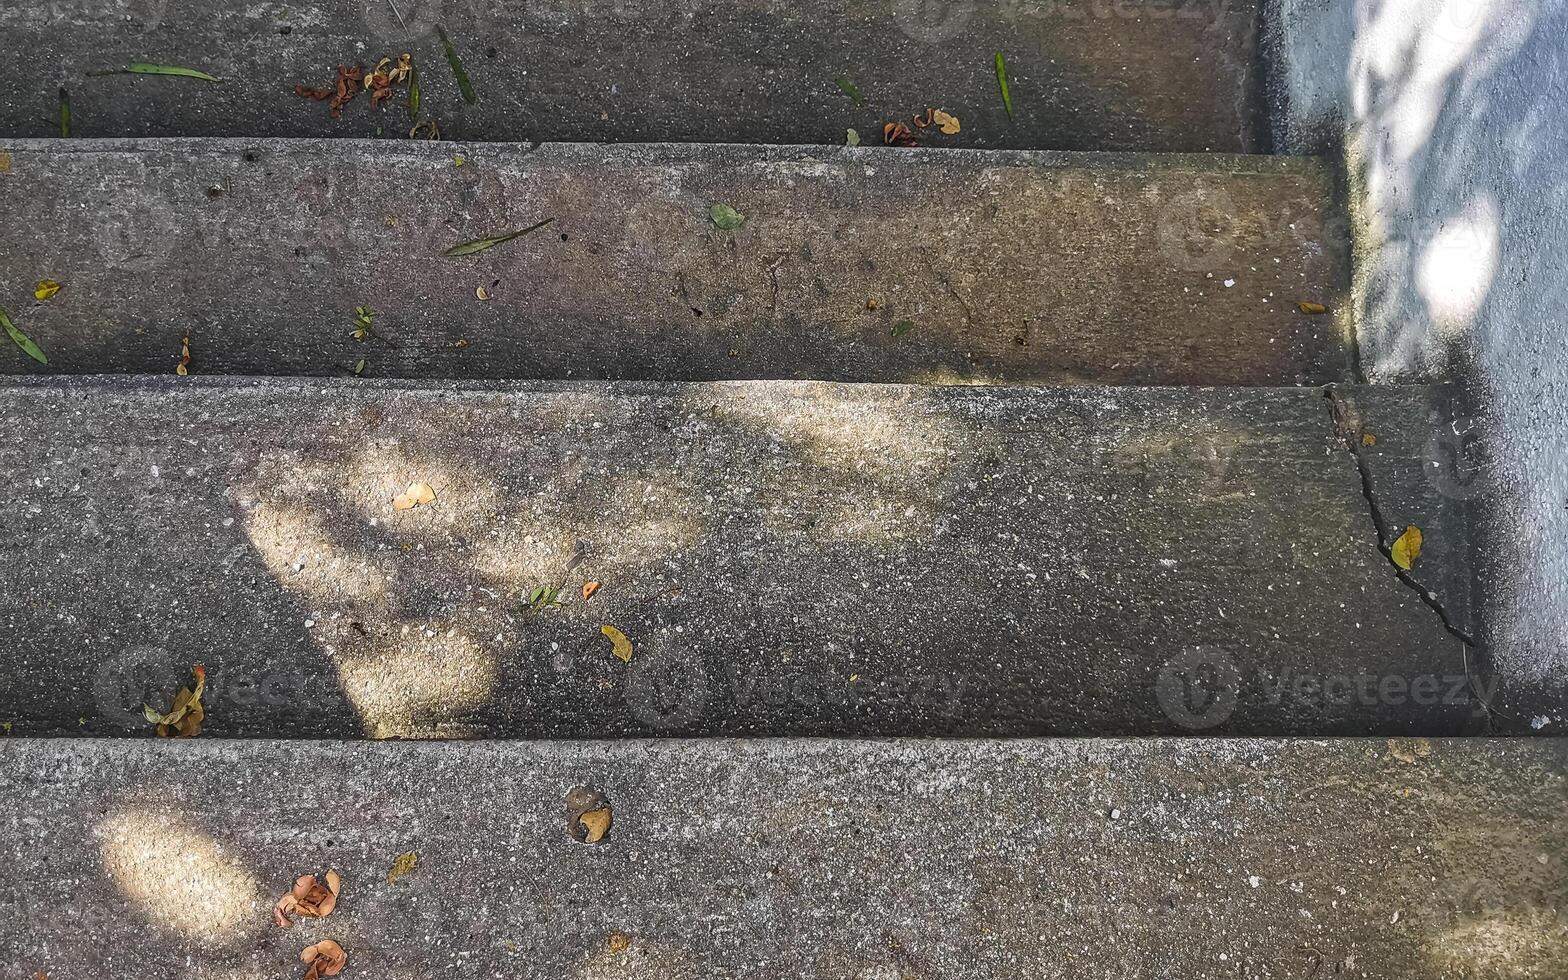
[1005, 553]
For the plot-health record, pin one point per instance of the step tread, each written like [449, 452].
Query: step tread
[802, 858]
[803, 558]
[1144, 74]
[1009, 266]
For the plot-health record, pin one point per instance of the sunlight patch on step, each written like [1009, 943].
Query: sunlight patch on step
[415, 683]
[179, 877]
[1498, 945]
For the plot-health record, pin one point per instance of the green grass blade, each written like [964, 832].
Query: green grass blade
[848, 88]
[1001, 81]
[143, 68]
[480, 245]
[65, 113]
[413, 96]
[22, 340]
[463, 84]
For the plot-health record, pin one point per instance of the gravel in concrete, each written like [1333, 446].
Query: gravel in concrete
[1083, 74]
[786, 558]
[794, 858]
[852, 264]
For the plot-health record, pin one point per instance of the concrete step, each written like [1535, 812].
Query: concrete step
[1004, 265]
[1125, 858]
[1015, 267]
[1139, 75]
[786, 558]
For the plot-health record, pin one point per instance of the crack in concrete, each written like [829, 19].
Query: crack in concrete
[1348, 430]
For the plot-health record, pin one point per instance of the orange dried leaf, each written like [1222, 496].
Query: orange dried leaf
[589, 588]
[417, 493]
[309, 898]
[947, 121]
[1312, 309]
[325, 959]
[619, 942]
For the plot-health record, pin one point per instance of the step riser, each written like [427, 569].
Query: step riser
[1009, 267]
[1121, 858]
[1083, 75]
[787, 558]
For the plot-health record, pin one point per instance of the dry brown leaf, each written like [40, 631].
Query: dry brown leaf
[402, 865]
[460, 343]
[417, 493]
[619, 942]
[482, 293]
[183, 368]
[897, 134]
[1368, 439]
[1312, 309]
[620, 646]
[45, 290]
[923, 121]
[325, 959]
[1407, 548]
[596, 823]
[5, 162]
[947, 121]
[308, 898]
[185, 716]
[589, 588]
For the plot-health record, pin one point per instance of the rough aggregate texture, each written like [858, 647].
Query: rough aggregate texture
[787, 558]
[800, 858]
[1005, 266]
[1155, 75]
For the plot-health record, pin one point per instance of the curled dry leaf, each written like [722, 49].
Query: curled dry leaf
[620, 646]
[921, 122]
[325, 959]
[45, 290]
[184, 717]
[619, 942]
[1407, 548]
[897, 134]
[481, 293]
[184, 367]
[308, 898]
[460, 343]
[1312, 309]
[946, 121]
[1368, 439]
[589, 588]
[417, 493]
[595, 823]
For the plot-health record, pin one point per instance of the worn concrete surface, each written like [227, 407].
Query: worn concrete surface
[1084, 75]
[1453, 136]
[786, 557]
[795, 858]
[1009, 266]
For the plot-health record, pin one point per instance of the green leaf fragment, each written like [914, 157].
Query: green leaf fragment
[848, 88]
[726, 217]
[851, 138]
[902, 327]
[22, 340]
[359, 367]
[469, 248]
[65, 113]
[413, 96]
[143, 68]
[463, 84]
[1001, 81]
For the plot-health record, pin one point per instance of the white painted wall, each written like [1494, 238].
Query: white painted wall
[1453, 119]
